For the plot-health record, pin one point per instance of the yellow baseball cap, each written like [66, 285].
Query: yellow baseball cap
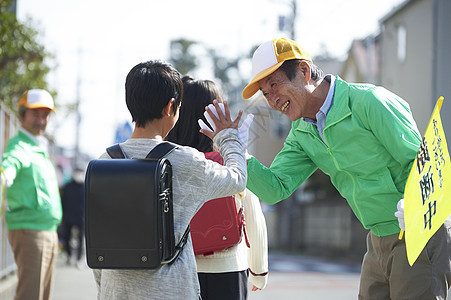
[37, 98]
[268, 57]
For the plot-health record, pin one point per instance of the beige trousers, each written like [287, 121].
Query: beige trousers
[35, 255]
[386, 273]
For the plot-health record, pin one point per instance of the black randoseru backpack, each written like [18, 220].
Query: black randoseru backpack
[129, 211]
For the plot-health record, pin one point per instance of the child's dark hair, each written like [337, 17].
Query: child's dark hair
[196, 95]
[148, 89]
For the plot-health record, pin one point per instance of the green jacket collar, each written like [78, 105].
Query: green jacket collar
[338, 111]
[26, 137]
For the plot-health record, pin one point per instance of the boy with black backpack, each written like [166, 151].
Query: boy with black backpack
[153, 97]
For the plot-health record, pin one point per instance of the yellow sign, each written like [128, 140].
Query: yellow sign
[426, 204]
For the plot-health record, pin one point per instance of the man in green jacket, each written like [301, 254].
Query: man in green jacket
[362, 136]
[34, 204]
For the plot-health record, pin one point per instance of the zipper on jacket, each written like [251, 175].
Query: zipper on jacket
[360, 216]
[318, 137]
[339, 169]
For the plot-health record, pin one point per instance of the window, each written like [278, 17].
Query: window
[402, 43]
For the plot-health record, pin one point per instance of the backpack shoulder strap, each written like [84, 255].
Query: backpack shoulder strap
[115, 151]
[179, 247]
[161, 150]
[158, 152]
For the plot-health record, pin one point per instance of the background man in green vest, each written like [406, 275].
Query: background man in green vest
[34, 205]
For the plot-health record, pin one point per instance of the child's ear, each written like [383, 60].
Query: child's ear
[168, 108]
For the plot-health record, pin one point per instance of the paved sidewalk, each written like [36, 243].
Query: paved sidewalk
[309, 286]
[309, 278]
[291, 277]
[70, 282]
[73, 282]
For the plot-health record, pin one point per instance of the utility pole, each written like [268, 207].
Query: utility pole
[78, 114]
[293, 19]
[287, 210]
[287, 23]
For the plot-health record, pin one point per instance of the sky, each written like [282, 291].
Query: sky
[96, 42]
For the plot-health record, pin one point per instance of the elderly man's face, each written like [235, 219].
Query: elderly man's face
[285, 95]
[35, 120]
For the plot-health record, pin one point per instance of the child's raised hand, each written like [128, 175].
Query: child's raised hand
[218, 121]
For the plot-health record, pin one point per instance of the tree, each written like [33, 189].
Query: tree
[181, 57]
[222, 67]
[22, 58]
[225, 70]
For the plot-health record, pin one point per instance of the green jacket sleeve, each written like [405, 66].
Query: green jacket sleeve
[290, 168]
[13, 157]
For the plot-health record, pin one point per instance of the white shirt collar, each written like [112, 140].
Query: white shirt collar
[327, 102]
[41, 140]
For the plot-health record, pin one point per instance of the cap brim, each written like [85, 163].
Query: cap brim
[38, 105]
[253, 86]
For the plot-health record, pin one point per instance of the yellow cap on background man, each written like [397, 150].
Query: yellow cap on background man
[268, 57]
[37, 98]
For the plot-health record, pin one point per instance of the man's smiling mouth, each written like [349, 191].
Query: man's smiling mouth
[285, 106]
